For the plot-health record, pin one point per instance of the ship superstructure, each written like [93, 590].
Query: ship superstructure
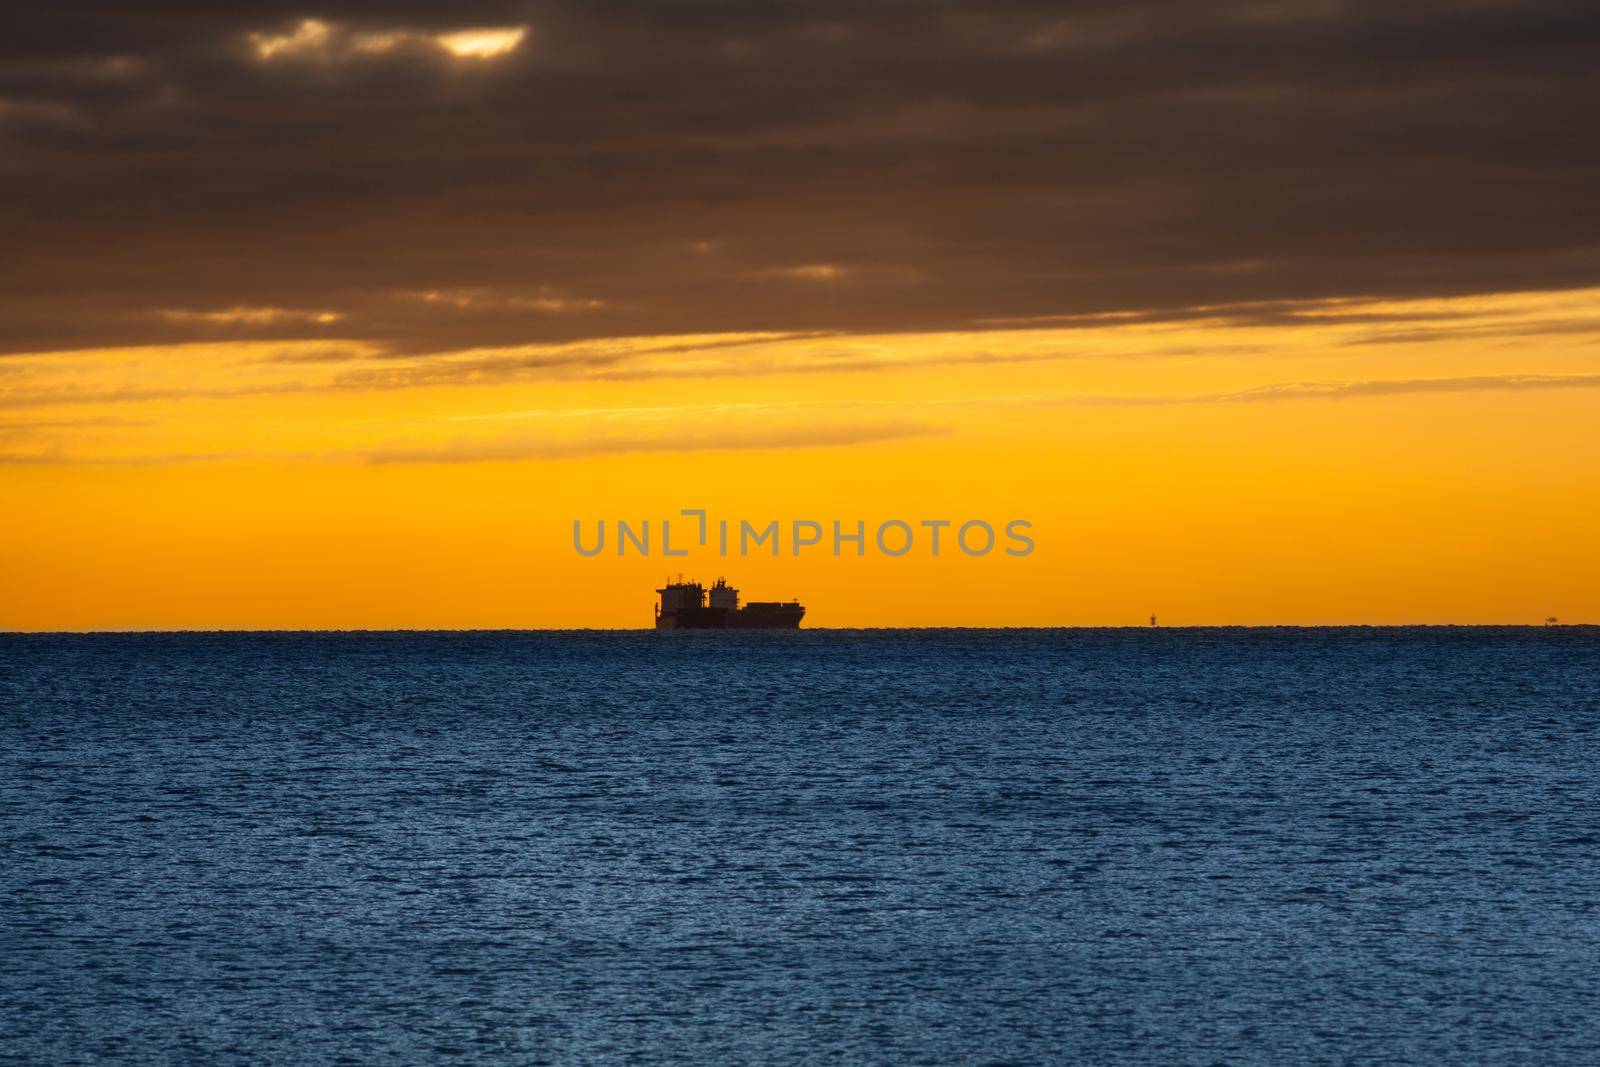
[691, 606]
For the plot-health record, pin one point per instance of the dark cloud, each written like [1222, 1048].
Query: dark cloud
[639, 168]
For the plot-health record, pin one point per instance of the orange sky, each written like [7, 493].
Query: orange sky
[1417, 461]
[340, 317]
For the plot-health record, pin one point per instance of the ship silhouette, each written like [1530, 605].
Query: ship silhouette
[691, 606]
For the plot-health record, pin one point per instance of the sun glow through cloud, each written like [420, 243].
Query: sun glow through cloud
[248, 316]
[545, 299]
[326, 40]
[810, 272]
[309, 36]
[482, 43]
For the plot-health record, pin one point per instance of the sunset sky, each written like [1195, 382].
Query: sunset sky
[339, 316]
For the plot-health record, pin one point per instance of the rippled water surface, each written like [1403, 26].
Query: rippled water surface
[887, 847]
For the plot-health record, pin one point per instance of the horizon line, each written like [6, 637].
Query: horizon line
[1141, 627]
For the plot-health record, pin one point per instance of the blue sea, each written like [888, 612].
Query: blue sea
[887, 847]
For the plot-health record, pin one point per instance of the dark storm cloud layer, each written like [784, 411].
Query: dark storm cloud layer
[692, 167]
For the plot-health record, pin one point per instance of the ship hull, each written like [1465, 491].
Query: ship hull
[750, 617]
[693, 619]
[767, 617]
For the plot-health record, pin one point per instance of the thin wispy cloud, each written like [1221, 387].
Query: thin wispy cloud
[217, 372]
[94, 422]
[808, 272]
[502, 449]
[1269, 393]
[486, 300]
[574, 433]
[248, 316]
[22, 398]
[1334, 390]
[514, 447]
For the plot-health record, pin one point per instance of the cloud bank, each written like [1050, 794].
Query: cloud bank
[559, 171]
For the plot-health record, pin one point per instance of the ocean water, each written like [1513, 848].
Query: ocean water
[1340, 846]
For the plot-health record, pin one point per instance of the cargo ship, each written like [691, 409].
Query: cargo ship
[691, 606]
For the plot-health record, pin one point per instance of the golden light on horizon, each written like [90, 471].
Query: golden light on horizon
[343, 291]
[1339, 468]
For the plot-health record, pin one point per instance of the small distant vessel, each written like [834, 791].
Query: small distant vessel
[691, 606]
